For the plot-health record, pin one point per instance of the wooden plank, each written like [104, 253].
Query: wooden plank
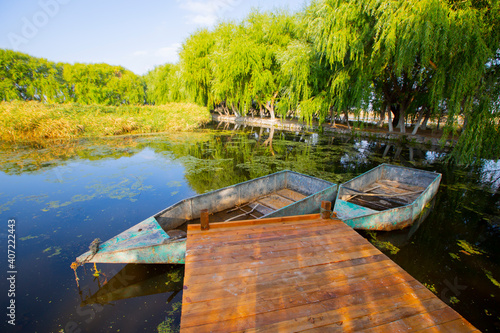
[395, 186]
[260, 263]
[275, 201]
[235, 262]
[291, 194]
[214, 235]
[417, 322]
[311, 293]
[298, 274]
[267, 234]
[202, 314]
[281, 267]
[193, 228]
[310, 276]
[314, 315]
[267, 247]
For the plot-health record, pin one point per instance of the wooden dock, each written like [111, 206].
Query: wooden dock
[302, 273]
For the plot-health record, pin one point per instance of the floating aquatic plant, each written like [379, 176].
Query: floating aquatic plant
[468, 248]
[431, 287]
[491, 278]
[384, 246]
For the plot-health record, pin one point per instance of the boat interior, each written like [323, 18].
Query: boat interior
[382, 194]
[256, 208]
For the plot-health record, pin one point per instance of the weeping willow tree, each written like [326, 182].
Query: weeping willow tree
[165, 84]
[420, 54]
[196, 65]
[246, 61]
[341, 34]
[23, 77]
[272, 33]
[103, 84]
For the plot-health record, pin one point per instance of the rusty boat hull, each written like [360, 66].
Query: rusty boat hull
[161, 238]
[387, 197]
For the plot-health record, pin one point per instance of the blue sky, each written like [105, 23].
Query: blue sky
[137, 35]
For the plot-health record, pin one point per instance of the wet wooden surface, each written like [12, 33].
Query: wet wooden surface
[302, 273]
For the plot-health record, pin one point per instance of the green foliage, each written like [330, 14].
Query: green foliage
[165, 85]
[103, 84]
[438, 58]
[419, 55]
[27, 78]
[23, 77]
[196, 67]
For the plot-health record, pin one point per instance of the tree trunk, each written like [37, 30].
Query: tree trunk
[417, 125]
[389, 120]
[426, 119]
[332, 118]
[466, 121]
[396, 112]
[236, 113]
[402, 120]
[270, 108]
[346, 118]
[270, 105]
[381, 121]
[386, 150]
[269, 141]
[399, 150]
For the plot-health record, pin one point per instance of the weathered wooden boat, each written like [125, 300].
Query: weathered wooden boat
[161, 238]
[387, 197]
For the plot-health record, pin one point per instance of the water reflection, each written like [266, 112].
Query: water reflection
[136, 280]
[66, 194]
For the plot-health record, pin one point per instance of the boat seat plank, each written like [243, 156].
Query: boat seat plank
[275, 201]
[291, 194]
[398, 186]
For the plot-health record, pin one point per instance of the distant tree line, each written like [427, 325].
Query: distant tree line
[406, 61]
[27, 78]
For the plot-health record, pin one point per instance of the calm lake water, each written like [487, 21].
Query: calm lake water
[64, 195]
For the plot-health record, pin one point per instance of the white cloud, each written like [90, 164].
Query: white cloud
[206, 12]
[205, 20]
[170, 53]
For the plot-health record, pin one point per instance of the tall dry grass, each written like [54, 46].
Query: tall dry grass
[35, 121]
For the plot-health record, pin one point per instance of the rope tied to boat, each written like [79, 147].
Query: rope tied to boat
[94, 248]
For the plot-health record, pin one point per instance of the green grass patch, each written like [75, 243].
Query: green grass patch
[35, 121]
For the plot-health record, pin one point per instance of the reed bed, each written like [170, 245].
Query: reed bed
[35, 121]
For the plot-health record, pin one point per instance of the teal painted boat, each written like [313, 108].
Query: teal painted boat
[161, 238]
[387, 197]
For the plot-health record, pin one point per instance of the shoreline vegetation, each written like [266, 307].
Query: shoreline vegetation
[33, 122]
[330, 60]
